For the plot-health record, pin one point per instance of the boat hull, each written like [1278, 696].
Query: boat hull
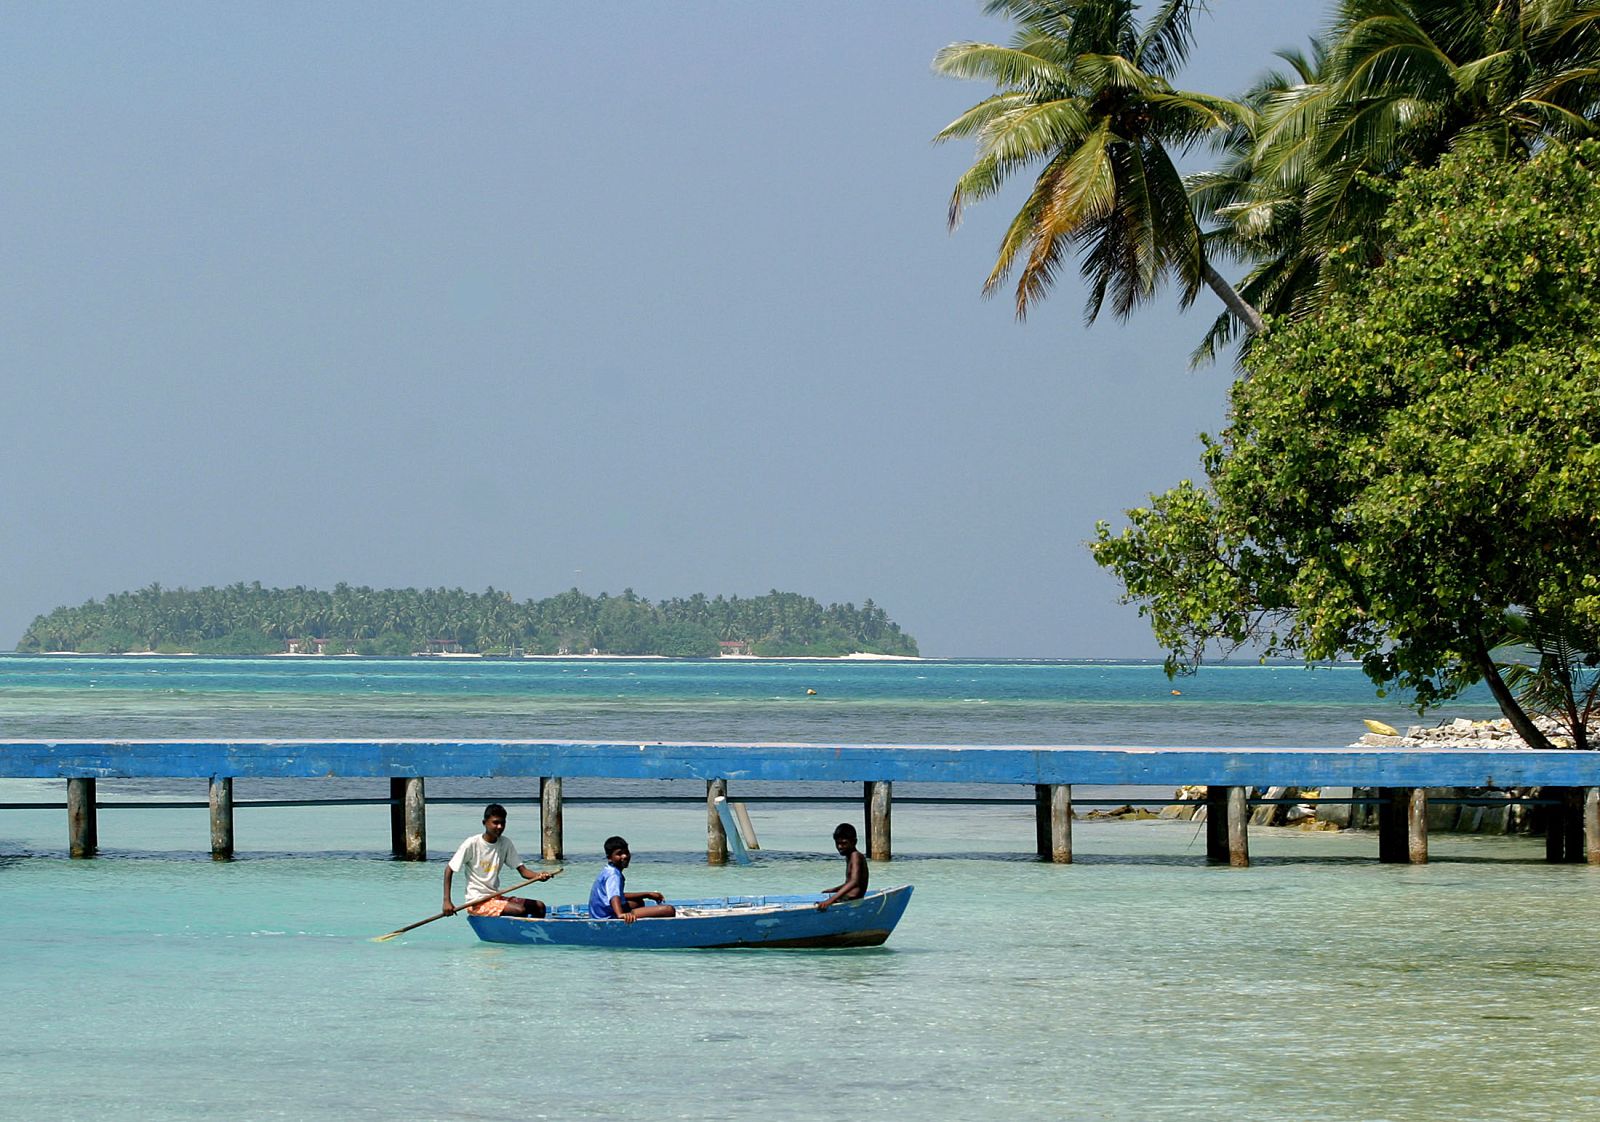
[778, 922]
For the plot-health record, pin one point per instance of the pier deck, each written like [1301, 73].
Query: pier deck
[1403, 777]
[1017, 764]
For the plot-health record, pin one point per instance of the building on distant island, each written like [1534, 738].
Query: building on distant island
[305, 646]
[733, 647]
[444, 646]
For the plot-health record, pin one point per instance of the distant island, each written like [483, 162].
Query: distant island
[247, 619]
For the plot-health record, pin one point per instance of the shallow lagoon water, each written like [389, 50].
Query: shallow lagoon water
[154, 983]
[1136, 983]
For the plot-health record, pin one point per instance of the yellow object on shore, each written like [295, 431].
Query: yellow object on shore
[1380, 728]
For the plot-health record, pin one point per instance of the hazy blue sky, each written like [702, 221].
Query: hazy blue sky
[538, 295]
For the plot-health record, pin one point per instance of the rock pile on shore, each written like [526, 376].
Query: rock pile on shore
[1462, 733]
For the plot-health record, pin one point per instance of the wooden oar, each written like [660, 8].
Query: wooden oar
[473, 904]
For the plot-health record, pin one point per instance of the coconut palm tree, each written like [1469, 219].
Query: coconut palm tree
[1399, 83]
[1262, 219]
[1084, 90]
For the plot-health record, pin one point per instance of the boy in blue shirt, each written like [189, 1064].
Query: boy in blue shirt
[608, 899]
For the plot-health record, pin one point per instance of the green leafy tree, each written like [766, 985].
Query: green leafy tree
[1415, 461]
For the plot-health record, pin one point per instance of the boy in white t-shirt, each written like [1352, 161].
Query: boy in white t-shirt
[483, 856]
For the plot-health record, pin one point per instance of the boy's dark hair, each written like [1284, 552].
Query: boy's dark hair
[844, 832]
[614, 844]
[493, 810]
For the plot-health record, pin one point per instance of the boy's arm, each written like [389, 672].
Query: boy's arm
[528, 874]
[449, 908]
[619, 908]
[642, 897]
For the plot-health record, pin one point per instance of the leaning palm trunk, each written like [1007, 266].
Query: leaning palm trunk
[1531, 734]
[1553, 668]
[1237, 304]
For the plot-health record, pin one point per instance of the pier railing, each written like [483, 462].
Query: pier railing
[1569, 781]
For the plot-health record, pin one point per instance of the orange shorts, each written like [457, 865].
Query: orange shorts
[489, 907]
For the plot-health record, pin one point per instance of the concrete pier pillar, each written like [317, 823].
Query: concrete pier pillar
[1041, 820]
[1058, 823]
[877, 799]
[1403, 825]
[1591, 824]
[1238, 827]
[83, 834]
[415, 806]
[1566, 835]
[397, 817]
[221, 818]
[1228, 826]
[1555, 833]
[550, 846]
[1417, 825]
[716, 836]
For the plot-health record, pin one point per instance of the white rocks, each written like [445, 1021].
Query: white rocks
[1462, 733]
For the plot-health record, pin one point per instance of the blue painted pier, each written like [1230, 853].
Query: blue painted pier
[1571, 780]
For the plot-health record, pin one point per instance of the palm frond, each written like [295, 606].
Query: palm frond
[1006, 67]
[1032, 131]
[1115, 72]
[1085, 189]
[1168, 36]
[973, 120]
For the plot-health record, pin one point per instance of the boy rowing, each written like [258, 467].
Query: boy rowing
[483, 856]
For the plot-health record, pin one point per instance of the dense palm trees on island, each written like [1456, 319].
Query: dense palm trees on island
[1309, 156]
[245, 619]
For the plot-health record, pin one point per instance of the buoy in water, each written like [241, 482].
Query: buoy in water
[811, 693]
[1177, 693]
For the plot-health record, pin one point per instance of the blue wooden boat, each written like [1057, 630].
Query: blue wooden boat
[728, 921]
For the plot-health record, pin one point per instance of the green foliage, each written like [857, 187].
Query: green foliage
[1422, 456]
[391, 644]
[242, 641]
[249, 619]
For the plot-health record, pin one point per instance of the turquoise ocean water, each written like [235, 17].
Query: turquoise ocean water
[1136, 983]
